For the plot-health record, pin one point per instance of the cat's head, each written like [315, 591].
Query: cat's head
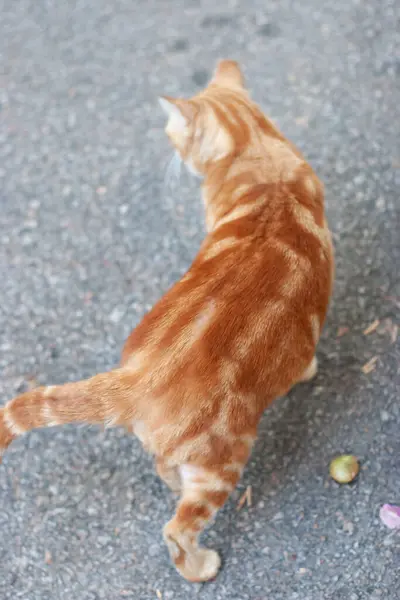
[202, 129]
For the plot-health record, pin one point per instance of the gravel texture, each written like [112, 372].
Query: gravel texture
[91, 236]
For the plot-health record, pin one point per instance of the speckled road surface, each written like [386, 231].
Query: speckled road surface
[91, 237]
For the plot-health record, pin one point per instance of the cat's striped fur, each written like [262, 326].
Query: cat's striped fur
[239, 329]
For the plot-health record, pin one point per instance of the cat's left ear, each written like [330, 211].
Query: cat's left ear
[180, 112]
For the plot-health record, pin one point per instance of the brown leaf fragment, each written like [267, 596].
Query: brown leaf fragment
[371, 328]
[370, 365]
[342, 331]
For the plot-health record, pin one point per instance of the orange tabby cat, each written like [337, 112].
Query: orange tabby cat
[238, 330]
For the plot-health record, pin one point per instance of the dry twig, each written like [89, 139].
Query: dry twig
[245, 498]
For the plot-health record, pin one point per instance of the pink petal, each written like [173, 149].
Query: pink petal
[390, 516]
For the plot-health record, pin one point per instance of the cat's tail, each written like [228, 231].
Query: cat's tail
[106, 399]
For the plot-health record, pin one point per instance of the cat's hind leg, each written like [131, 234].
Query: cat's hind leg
[169, 475]
[204, 491]
[207, 481]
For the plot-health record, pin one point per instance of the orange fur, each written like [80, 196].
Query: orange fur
[238, 330]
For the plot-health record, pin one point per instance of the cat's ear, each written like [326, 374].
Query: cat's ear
[180, 111]
[228, 74]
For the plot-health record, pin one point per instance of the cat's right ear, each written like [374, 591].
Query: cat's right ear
[179, 112]
[228, 74]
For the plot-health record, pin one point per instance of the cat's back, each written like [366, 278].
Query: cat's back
[260, 286]
[266, 278]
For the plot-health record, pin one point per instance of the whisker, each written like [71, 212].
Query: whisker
[173, 171]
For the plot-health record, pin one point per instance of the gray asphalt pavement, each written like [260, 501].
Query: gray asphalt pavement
[91, 237]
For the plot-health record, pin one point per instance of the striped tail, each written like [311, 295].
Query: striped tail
[106, 399]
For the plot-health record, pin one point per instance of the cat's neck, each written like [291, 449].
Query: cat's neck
[236, 180]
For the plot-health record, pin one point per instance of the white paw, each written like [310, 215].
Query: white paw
[211, 563]
[311, 370]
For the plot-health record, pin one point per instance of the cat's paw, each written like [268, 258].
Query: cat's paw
[211, 565]
[310, 372]
[202, 565]
[193, 563]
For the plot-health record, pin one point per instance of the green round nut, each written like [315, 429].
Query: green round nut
[344, 469]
